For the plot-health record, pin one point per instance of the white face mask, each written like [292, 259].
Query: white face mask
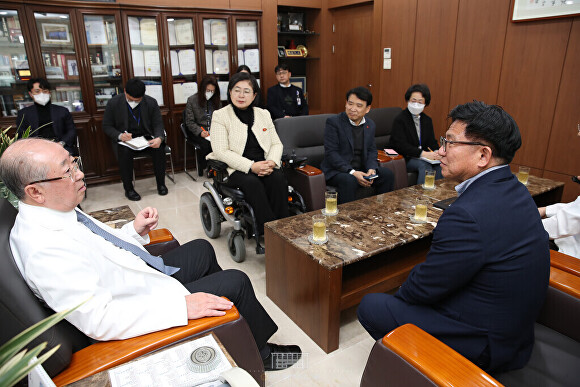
[41, 99]
[415, 107]
[133, 104]
[208, 95]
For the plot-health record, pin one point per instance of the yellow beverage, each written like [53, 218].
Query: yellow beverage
[523, 177]
[421, 212]
[429, 181]
[331, 206]
[319, 231]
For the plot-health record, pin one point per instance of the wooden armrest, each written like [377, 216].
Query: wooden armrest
[565, 262]
[435, 360]
[309, 170]
[564, 281]
[383, 157]
[159, 236]
[107, 354]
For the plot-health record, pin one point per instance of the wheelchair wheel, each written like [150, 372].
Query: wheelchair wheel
[210, 216]
[236, 246]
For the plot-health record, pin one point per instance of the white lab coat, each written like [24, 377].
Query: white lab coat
[64, 264]
[562, 223]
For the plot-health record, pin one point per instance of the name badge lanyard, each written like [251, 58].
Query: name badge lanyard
[137, 119]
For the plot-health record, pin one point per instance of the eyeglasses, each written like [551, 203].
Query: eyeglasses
[445, 141]
[70, 174]
[282, 72]
[238, 90]
[40, 91]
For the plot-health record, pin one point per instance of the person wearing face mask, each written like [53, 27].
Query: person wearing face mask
[198, 113]
[45, 119]
[130, 115]
[413, 136]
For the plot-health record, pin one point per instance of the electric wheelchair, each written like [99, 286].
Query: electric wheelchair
[223, 203]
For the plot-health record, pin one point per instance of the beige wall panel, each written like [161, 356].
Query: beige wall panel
[530, 78]
[564, 143]
[248, 5]
[398, 33]
[433, 57]
[478, 56]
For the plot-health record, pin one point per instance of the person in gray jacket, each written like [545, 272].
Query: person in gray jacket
[198, 113]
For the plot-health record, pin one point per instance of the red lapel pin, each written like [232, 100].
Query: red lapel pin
[263, 130]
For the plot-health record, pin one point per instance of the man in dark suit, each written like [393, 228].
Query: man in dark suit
[484, 280]
[350, 152]
[285, 99]
[130, 115]
[45, 119]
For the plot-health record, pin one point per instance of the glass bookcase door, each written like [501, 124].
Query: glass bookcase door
[216, 52]
[145, 54]
[247, 45]
[104, 59]
[182, 56]
[14, 68]
[59, 59]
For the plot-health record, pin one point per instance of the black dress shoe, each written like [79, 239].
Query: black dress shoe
[132, 195]
[162, 189]
[282, 357]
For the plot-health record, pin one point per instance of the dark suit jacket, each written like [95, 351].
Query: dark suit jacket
[62, 124]
[116, 118]
[487, 271]
[339, 147]
[404, 137]
[278, 108]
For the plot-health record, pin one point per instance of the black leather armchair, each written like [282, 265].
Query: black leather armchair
[78, 357]
[408, 356]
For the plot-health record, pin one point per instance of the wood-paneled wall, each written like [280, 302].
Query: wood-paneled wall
[468, 49]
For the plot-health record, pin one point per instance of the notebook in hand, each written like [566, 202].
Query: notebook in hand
[443, 204]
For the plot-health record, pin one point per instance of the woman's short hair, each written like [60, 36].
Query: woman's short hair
[243, 77]
[421, 88]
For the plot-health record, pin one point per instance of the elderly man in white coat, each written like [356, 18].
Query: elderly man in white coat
[67, 257]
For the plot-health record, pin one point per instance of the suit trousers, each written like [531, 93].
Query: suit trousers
[421, 166]
[200, 272]
[205, 149]
[380, 313]
[347, 185]
[268, 195]
[125, 156]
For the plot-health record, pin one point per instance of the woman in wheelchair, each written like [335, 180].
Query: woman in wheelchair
[243, 136]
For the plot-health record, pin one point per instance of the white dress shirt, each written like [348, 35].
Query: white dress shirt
[64, 264]
[562, 223]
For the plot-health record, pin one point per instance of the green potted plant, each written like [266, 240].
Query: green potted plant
[5, 141]
[15, 359]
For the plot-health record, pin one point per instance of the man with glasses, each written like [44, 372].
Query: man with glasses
[66, 258]
[285, 99]
[484, 280]
[46, 119]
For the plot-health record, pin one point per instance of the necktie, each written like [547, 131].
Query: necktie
[153, 261]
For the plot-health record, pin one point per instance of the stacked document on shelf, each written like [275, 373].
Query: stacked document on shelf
[430, 161]
[137, 143]
[189, 364]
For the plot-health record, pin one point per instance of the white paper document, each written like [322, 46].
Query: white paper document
[137, 143]
[186, 62]
[152, 66]
[174, 62]
[221, 65]
[134, 32]
[219, 32]
[209, 61]
[252, 59]
[184, 31]
[148, 31]
[223, 90]
[430, 161]
[155, 91]
[247, 32]
[138, 63]
[189, 364]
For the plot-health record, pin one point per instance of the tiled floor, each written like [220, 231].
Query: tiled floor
[179, 212]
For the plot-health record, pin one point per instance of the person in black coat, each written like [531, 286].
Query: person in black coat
[46, 119]
[285, 99]
[413, 136]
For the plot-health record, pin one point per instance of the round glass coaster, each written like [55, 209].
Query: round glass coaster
[327, 214]
[415, 220]
[311, 240]
[428, 188]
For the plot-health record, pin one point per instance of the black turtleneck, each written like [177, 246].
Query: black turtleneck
[253, 150]
[45, 129]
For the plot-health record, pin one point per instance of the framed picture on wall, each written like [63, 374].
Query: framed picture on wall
[55, 33]
[524, 10]
[281, 51]
[299, 82]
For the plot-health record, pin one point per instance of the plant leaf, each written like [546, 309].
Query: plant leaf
[15, 374]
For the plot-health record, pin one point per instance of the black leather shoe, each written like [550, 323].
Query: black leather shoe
[132, 195]
[162, 189]
[282, 357]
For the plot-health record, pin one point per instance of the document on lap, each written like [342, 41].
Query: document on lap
[138, 143]
[430, 161]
